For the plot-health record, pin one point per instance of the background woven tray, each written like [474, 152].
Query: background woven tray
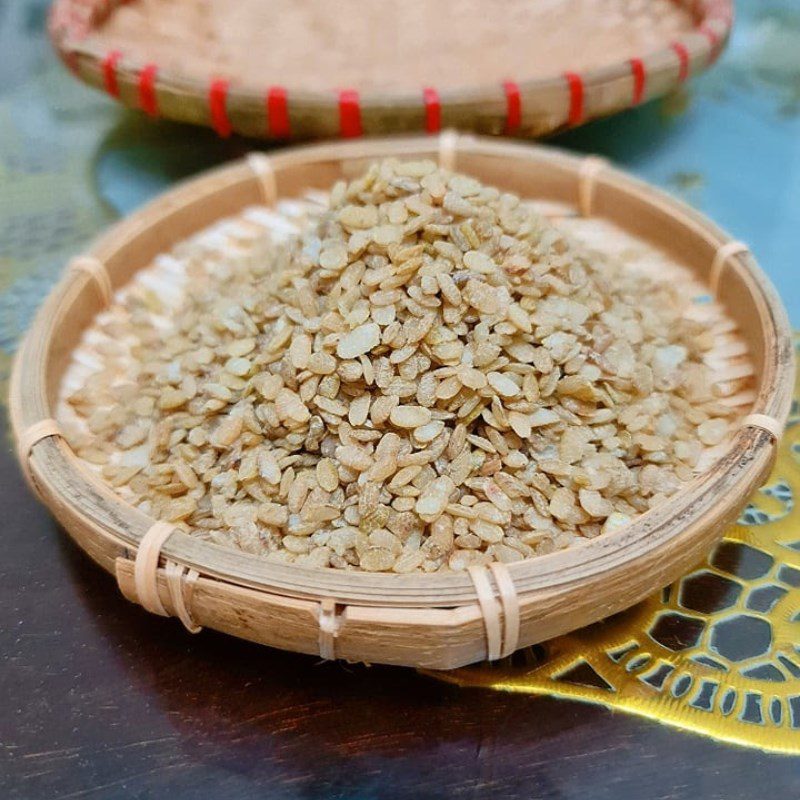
[518, 106]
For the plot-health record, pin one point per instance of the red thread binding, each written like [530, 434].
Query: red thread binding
[575, 98]
[109, 67]
[513, 106]
[277, 112]
[433, 110]
[721, 10]
[148, 101]
[639, 80]
[349, 114]
[217, 100]
[710, 35]
[683, 55]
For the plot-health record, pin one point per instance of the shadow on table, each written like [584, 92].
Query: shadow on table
[239, 705]
[141, 157]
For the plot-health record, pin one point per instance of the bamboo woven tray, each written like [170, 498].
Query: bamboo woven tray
[438, 620]
[565, 91]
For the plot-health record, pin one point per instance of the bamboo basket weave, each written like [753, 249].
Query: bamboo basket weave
[425, 620]
[520, 105]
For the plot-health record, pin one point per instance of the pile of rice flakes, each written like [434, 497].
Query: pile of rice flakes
[431, 376]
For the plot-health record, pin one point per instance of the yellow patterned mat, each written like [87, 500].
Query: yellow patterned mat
[717, 652]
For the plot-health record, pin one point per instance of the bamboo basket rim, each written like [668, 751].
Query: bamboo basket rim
[654, 530]
[569, 98]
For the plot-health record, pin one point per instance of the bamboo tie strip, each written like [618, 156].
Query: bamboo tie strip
[181, 582]
[590, 168]
[510, 602]
[501, 640]
[265, 174]
[28, 439]
[448, 150]
[145, 577]
[765, 422]
[328, 629]
[97, 271]
[723, 255]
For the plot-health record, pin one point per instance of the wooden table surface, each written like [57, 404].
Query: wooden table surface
[100, 700]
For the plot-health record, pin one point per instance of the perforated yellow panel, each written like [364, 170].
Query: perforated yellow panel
[718, 652]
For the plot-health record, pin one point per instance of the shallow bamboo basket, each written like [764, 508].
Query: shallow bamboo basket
[421, 620]
[519, 105]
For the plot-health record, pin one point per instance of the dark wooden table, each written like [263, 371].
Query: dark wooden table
[100, 700]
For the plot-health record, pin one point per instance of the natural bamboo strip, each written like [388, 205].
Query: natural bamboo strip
[721, 257]
[490, 609]
[743, 399]
[510, 602]
[771, 425]
[146, 567]
[328, 629]
[727, 326]
[262, 167]
[28, 439]
[181, 582]
[591, 167]
[448, 149]
[734, 372]
[97, 271]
